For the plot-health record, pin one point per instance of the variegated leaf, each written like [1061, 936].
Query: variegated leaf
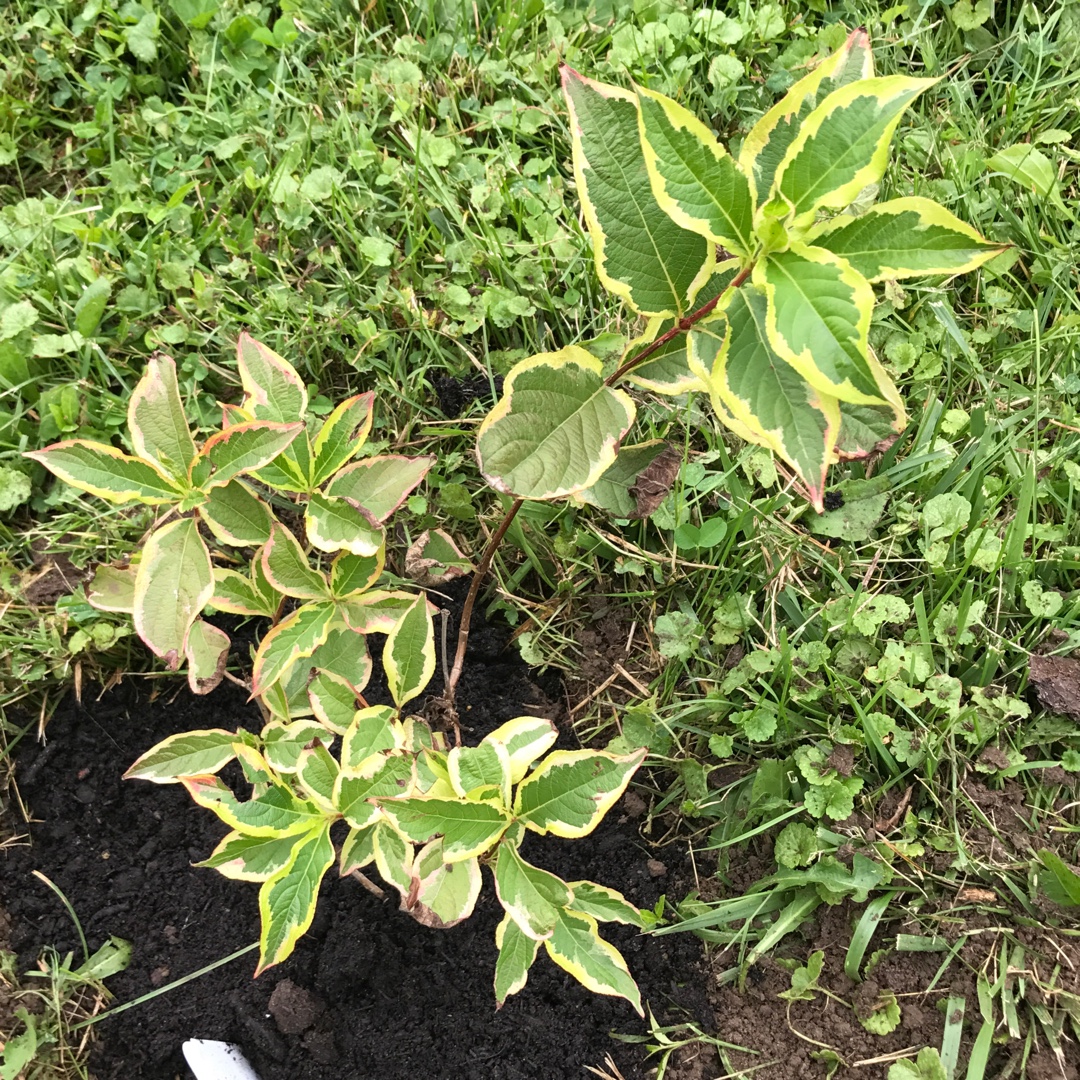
[108, 473]
[236, 515]
[159, 429]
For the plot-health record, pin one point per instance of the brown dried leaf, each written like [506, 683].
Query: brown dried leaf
[654, 481]
[1056, 680]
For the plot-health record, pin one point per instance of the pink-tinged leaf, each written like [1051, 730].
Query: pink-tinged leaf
[159, 429]
[107, 472]
[342, 436]
[234, 414]
[380, 484]
[207, 651]
[174, 582]
[113, 589]
[246, 448]
[274, 390]
[191, 753]
[376, 612]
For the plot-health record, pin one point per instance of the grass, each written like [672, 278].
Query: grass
[384, 197]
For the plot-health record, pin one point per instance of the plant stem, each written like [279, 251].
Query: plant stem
[470, 601]
[681, 327]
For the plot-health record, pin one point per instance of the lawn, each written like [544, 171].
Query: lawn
[860, 801]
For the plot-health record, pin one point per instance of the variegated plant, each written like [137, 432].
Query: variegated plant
[754, 274]
[427, 817]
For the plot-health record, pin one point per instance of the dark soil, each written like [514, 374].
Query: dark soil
[368, 991]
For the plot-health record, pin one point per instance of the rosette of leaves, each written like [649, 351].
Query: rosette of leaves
[426, 817]
[754, 274]
[270, 451]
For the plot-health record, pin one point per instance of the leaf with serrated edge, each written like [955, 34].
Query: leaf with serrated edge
[531, 897]
[192, 753]
[277, 812]
[694, 179]
[905, 238]
[316, 773]
[344, 654]
[775, 404]
[274, 390]
[556, 429]
[604, 904]
[768, 141]
[107, 472]
[526, 738]
[843, 145]
[293, 639]
[333, 701]
[571, 790]
[380, 484]
[576, 946]
[641, 255]
[819, 321]
[112, 589]
[174, 582]
[467, 828]
[207, 650]
[409, 653]
[446, 893]
[287, 569]
[380, 777]
[486, 765]
[357, 850]
[341, 437]
[517, 951]
[246, 448]
[287, 900]
[356, 573]
[334, 524]
[283, 743]
[159, 429]
[866, 428]
[372, 731]
[236, 515]
[250, 858]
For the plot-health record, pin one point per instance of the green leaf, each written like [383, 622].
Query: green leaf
[236, 515]
[477, 768]
[286, 567]
[641, 254]
[843, 145]
[112, 589]
[277, 812]
[236, 594]
[531, 897]
[819, 322]
[341, 437]
[526, 738]
[864, 503]
[342, 525]
[927, 1066]
[667, 371]
[409, 653]
[576, 946]
[767, 143]
[517, 951]
[250, 858]
[90, 307]
[291, 640]
[356, 573]
[287, 900]
[445, 893]
[174, 582]
[159, 430]
[604, 904]
[571, 790]
[905, 238]
[467, 828]
[332, 699]
[380, 777]
[775, 406]
[357, 850]
[556, 429]
[107, 472]
[246, 448]
[1028, 166]
[191, 753]
[344, 654]
[207, 651]
[885, 1017]
[380, 484]
[866, 429]
[694, 179]
[1067, 882]
[796, 845]
[394, 858]
[274, 390]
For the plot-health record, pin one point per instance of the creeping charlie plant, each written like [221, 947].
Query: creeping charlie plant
[754, 276]
[426, 815]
